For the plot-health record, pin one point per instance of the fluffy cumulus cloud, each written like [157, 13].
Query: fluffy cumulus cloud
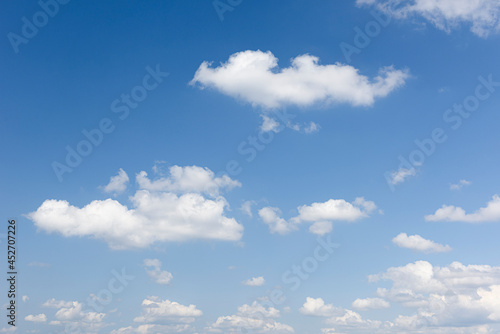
[254, 281]
[73, 315]
[153, 269]
[155, 309]
[417, 243]
[176, 208]
[483, 16]
[337, 316]
[254, 77]
[319, 215]
[36, 318]
[444, 297]
[118, 183]
[450, 213]
[254, 318]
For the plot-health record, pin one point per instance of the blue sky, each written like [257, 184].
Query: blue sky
[242, 169]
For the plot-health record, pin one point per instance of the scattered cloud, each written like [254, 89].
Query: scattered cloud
[370, 304]
[157, 214]
[36, 318]
[312, 128]
[254, 77]
[269, 124]
[450, 213]
[254, 281]
[483, 16]
[317, 307]
[155, 309]
[417, 243]
[117, 184]
[399, 176]
[319, 215]
[254, 318]
[460, 185]
[153, 269]
[246, 208]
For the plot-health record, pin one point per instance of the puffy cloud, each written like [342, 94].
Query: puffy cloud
[153, 268]
[271, 216]
[254, 77]
[155, 216]
[450, 213]
[319, 215]
[253, 318]
[312, 128]
[155, 309]
[269, 124]
[317, 307]
[370, 304]
[460, 185]
[72, 315]
[254, 281]
[36, 318]
[25, 298]
[482, 15]
[189, 179]
[118, 183]
[444, 296]
[417, 243]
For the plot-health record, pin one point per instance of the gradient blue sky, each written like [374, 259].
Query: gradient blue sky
[65, 78]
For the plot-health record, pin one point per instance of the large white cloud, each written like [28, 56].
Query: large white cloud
[254, 77]
[253, 318]
[320, 215]
[417, 243]
[155, 216]
[155, 309]
[482, 15]
[36, 318]
[450, 213]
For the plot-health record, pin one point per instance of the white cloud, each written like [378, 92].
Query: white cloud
[271, 216]
[319, 215]
[118, 183]
[189, 179]
[155, 309]
[417, 243]
[459, 185]
[482, 15]
[153, 268]
[53, 303]
[399, 176]
[246, 208]
[25, 298]
[155, 215]
[254, 77]
[370, 304]
[36, 318]
[444, 296]
[450, 213]
[253, 318]
[152, 329]
[317, 307]
[255, 281]
[269, 124]
[312, 128]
